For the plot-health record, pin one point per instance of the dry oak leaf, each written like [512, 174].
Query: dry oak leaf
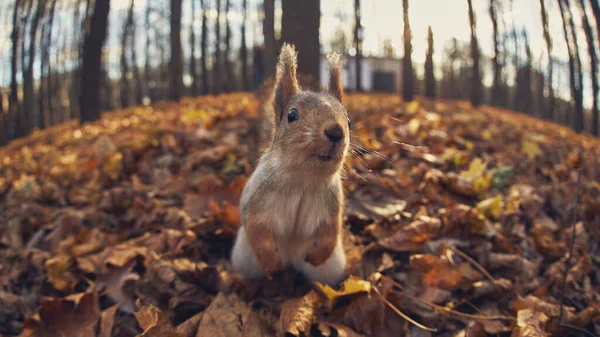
[298, 314]
[529, 324]
[440, 273]
[154, 322]
[107, 321]
[229, 316]
[413, 236]
[72, 316]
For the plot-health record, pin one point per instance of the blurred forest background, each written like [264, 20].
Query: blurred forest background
[62, 60]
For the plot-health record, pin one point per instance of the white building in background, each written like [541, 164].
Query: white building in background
[378, 73]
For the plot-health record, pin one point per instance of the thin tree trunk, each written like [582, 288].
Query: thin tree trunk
[575, 76]
[358, 45]
[596, 10]
[407, 69]
[300, 24]
[429, 74]
[203, 50]
[139, 93]
[548, 110]
[523, 93]
[125, 72]
[496, 98]
[45, 102]
[193, 69]
[269, 35]
[28, 84]
[148, 76]
[22, 126]
[589, 35]
[176, 60]
[244, 47]
[229, 85]
[475, 77]
[89, 100]
[216, 69]
[14, 95]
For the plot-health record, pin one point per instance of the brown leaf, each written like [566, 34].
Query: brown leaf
[298, 314]
[366, 314]
[154, 322]
[228, 316]
[414, 236]
[529, 324]
[439, 273]
[107, 320]
[74, 315]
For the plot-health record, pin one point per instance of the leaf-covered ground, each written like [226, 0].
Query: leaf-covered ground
[458, 223]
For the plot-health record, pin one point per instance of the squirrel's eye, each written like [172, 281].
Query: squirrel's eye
[293, 115]
[349, 123]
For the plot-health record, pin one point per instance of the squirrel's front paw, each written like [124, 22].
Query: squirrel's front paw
[316, 257]
[271, 264]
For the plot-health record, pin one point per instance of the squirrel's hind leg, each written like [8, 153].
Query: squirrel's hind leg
[331, 272]
[243, 259]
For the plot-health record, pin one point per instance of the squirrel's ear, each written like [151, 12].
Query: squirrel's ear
[286, 82]
[335, 73]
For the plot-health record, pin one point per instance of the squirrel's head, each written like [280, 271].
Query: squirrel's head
[312, 128]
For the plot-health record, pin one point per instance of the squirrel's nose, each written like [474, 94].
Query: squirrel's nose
[334, 133]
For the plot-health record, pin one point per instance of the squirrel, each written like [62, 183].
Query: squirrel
[291, 207]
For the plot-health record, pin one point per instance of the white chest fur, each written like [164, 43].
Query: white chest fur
[293, 208]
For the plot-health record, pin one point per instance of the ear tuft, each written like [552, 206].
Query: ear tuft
[286, 81]
[335, 76]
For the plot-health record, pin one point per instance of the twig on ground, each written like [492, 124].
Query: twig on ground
[402, 314]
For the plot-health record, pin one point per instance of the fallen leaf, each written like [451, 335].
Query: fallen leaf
[352, 285]
[413, 236]
[298, 314]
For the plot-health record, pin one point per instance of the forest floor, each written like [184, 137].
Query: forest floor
[459, 225]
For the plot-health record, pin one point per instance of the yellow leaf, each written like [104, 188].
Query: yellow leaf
[491, 207]
[412, 107]
[197, 115]
[352, 285]
[532, 149]
[486, 134]
[57, 269]
[482, 184]
[113, 165]
[434, 119]
[413, 126]
[476, 169]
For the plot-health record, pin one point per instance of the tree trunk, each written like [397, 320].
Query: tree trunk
[28, 84]
[575, 76]
[216, 69]
[475, 77]
[596, 10]
[523, 93]
[139, 93]
[125, 71]
[496, 98]
[193, 70]
[300, 24]
[429, 74]
[147, 74]
[14, 95]
[45, 108]
[176, 60]
[548, 110]
[358, 45]
[229, 85]
[244, 47]
[269, 35]
[589, 35]
[89, 100]
[407, 69]
[203, 50]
